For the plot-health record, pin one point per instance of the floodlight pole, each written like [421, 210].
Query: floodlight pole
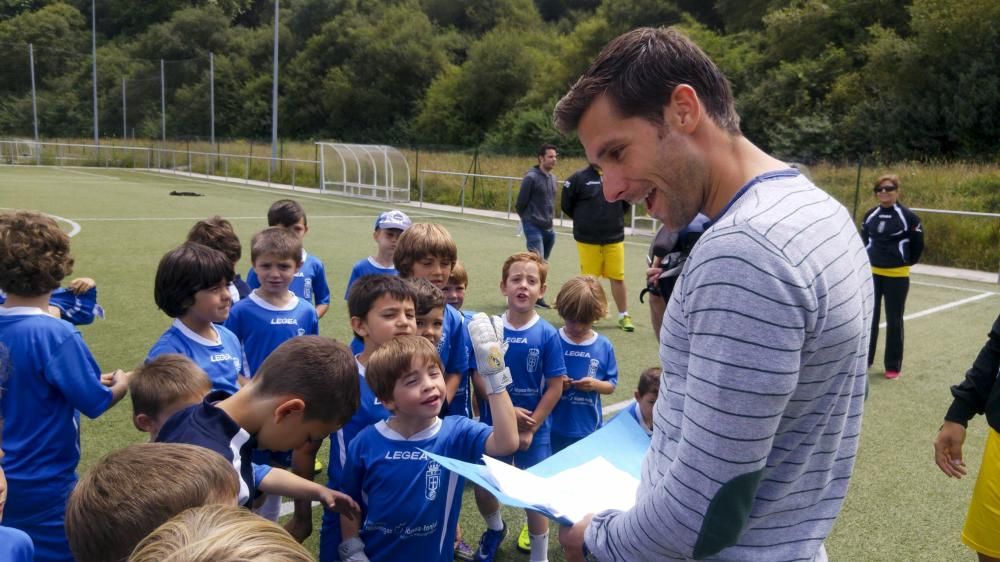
[163, 106]
[34, 104]
[211, 89]
[274, 91]
[93, 51]
[124, 112]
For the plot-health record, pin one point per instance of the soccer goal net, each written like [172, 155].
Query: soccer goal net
[21, 151]
[364, 170]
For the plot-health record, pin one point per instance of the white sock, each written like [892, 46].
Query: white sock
[493, 521]
[540, 548]
[623, 314]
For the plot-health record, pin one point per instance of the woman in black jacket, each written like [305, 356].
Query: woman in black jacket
[894, 239]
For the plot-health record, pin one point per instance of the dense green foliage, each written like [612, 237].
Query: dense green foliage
[814, 79]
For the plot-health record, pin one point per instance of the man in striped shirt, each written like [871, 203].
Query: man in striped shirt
[764, 342]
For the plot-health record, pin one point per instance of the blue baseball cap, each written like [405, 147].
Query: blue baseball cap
[393, 219]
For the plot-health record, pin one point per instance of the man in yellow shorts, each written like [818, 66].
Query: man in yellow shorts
[979, 393]
[599, 231]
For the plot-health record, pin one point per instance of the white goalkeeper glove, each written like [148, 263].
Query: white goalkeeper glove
[352, 550]
[488, 343]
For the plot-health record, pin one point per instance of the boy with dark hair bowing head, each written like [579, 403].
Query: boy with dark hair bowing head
[305, 390]
[192, 287]
[130, 492]
[48, 377]
[310, 279]
[162, 387]
[410, 502]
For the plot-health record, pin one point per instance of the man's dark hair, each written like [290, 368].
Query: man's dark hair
[639, 71]
[286, 212]
[184, 271]
[545, 148]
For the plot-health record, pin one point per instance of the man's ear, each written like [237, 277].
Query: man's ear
[289, 407]
[684, 111]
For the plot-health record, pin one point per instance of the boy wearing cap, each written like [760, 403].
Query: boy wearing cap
[388, 226]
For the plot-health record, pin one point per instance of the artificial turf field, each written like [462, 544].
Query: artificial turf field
[899, 507]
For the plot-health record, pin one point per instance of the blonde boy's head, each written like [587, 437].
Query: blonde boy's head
[216, 532]
[130, 492]
[527, 257]
[394, 359]
[34, 254]
[582, 299]
[422, 240]
[161, 387]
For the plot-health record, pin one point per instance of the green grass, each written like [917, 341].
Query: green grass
[899, 505]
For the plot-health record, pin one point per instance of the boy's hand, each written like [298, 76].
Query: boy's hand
[81, 285]
[488, 342]
[586, 384]
[524, 420]
[567, 383]
[948, 449]
[339, 502]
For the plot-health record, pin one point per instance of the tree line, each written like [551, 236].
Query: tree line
[813, 79]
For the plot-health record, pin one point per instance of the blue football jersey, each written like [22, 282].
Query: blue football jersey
[454, 341]
[410, 502]
[534, 354]
[367, 266]
[309, 282]
[462, 404]
[578, 413]
[261, 327]
[15, 546]
[370, 411]
[48, 377]
[223, 360]
[208, 426]
[78, 310]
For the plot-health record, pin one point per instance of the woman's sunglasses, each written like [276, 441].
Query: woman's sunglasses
[884, 188]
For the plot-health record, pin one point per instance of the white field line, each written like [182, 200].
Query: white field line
[91, 174]
[943, 307]
[942, 286]
[74, 226]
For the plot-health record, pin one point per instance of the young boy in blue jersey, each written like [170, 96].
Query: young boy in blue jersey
[132, 491]
[270, 316]
[428, 251]
[218, 233]
[381, 308]
[410, 503]
[162, 387]
[389, 225]
[49, 377]
[464, 403]
[304, 391]
[15, 545]
[590, 362]
[310, 279]
[535, 358]
[192, 287]
[646, 393]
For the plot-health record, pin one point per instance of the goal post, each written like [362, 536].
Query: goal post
[369, 171]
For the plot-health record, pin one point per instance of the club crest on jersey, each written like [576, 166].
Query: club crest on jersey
[301, 332]
[592, 369]
[533, 354]
[433, 480]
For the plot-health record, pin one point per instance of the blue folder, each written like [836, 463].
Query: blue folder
[621, 442]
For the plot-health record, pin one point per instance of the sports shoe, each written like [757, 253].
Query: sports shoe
[489, 544]
[625, 323]
[317, 467]
[892, 375]
[464, 552]
[524, 540]
[540, 303]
